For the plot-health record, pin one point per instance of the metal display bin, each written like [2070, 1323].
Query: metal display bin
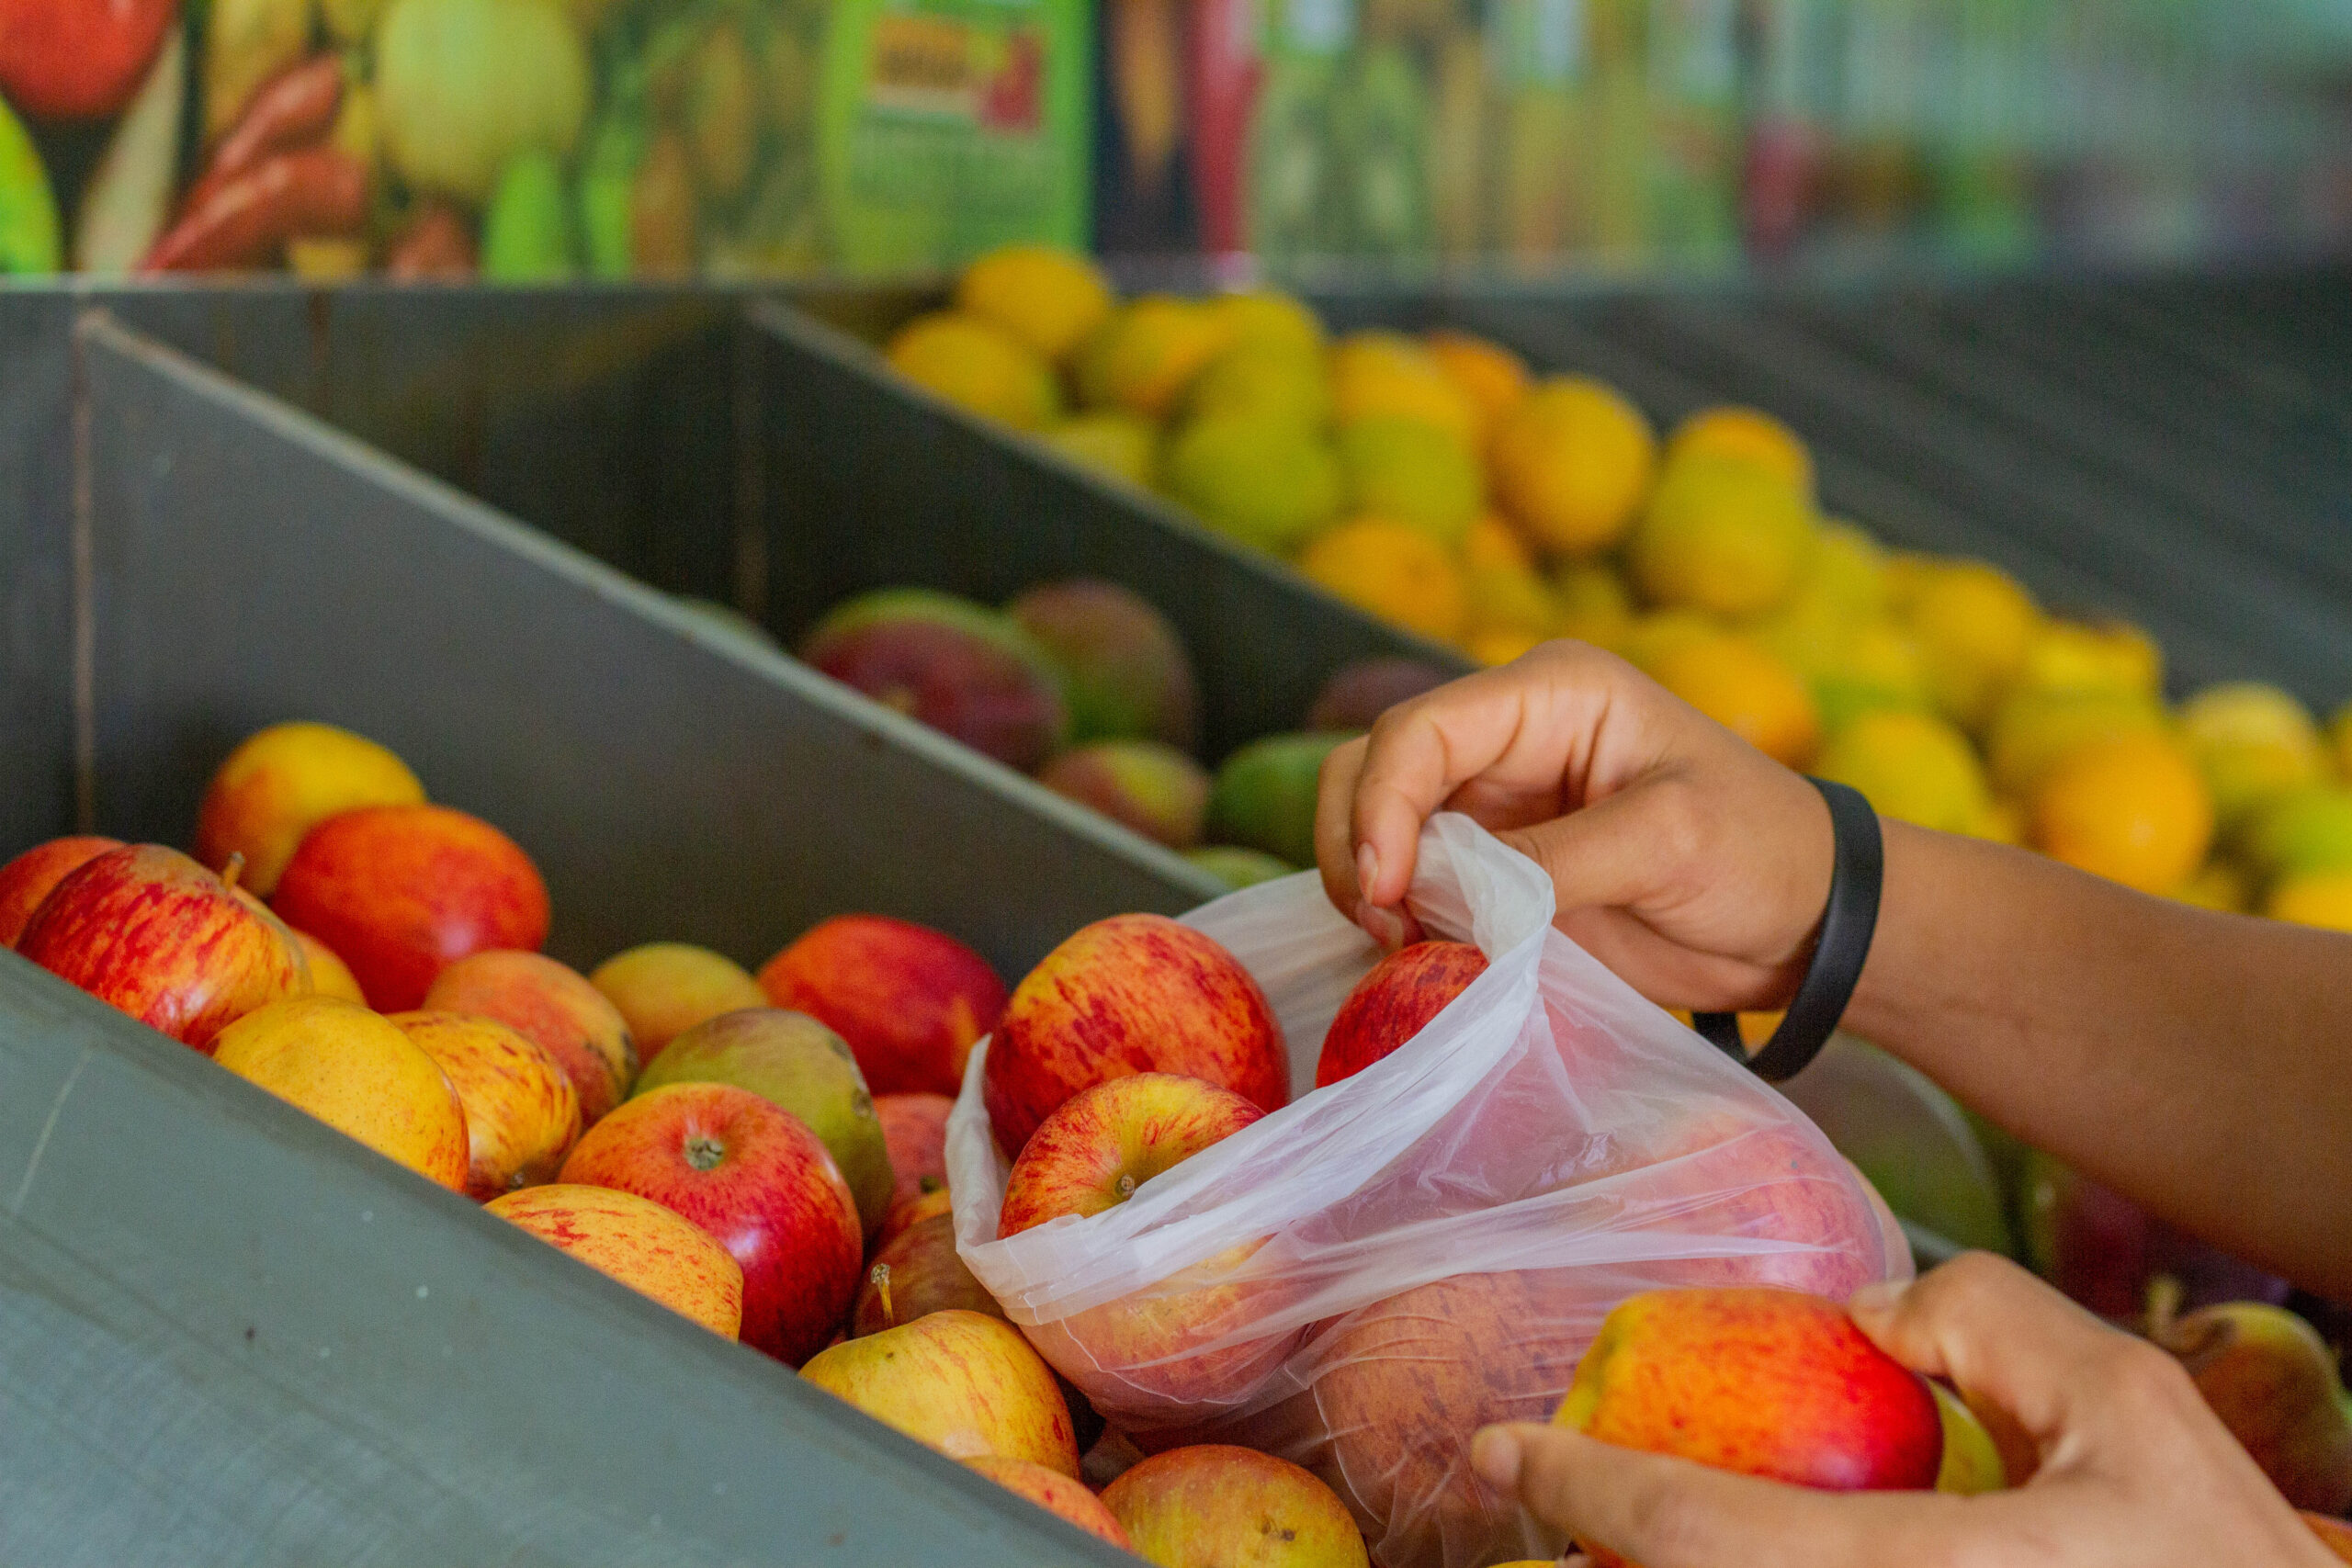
[231, 1335]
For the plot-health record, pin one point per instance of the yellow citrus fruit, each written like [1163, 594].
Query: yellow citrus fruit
[1973, 624]
[2339, 730]
[2114, 656]
[1571, 464]
[1412, 472]
[978, 365]
[1747, 435]
[1049, 298]
[1592, 604]
[1262, 481]
[1652, 636]
[1493, 378]
[2303, 830]
[1908, 571]
[1509, 598]
[1110, 442]
[1738, 683]
[1727, 537]
[2003, 822]
[1144, 356]
[1912, 766]
[1501, 645]
[1264, 378]
[1269, 316]
[1393, 571]
[1490, 542]
[2221, 884]
[2321, 898]
[1383, 374]
[1848, 569]
[2255, 743]
[2130, 807]
[1877, 667]
[2031, 731]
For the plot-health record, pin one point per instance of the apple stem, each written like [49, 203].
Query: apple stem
[881, 1278]
[2163, 1305]
[1126, 1187]
[234, 869]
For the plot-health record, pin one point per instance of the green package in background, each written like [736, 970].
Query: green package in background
[945, 127]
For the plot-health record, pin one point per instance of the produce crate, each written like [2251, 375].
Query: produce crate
[231, 1335]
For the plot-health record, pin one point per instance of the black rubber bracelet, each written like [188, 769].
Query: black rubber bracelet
[1857, 873]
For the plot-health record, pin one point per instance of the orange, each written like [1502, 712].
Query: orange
[1493, 378]
[978, 365]
[1393, 571]
[2321, 898]
[2130, 807]
[358, 1073]
[1749, 435]
[1048, 297]
[1738, 683]
[1571, 464]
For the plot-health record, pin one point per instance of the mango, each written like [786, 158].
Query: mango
[1265, 796]
[1145, 785]
[978, 365]
[1411, 472]
[958, 667]
[1125, 672]
[1358, 693]
[1108, 442]
[1264, 482]
[1238, 868]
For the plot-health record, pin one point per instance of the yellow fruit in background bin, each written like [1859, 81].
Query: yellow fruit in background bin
[1738, 683]
[1723, 537]
[2321, 898]
[1571, 464]
[1490, 542]
[1848, 569]
[1912, 766]
[2222, 886]
[1747, 435]
[2304, 830]
[1264, 378]
[1493, 378]
[1410, 472]
[980, 366]
[2031, 731]
[1591, 603]
[1382, 374]
[1908, 571]
[1393, 571]
[1973, 624]
[2003, 822]
[1049, 298]
[1509, 598]
[1651, 638]
[2255, 743]
[2113, 656]
[1268, 316]
[1114, 442]
[1501, 645]
[1144, 356]
[1877, 667]
[2339, 729]
[2130, 807]
[1264, 482]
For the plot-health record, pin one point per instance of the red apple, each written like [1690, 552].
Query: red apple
[149, 930]
[1395, 1002]
[400, 892]
[1105, 1141]
[1055, 1492]
[1768, 1382]
[1132, 994]
[29, 879]
[78, 59]
[757, 1180]
[284, 781]
[914, 1131]
[916, 1273]
[553, 1006]
[964, 1384]
[910, 1001]
[913, 1212]
[1215, 1504]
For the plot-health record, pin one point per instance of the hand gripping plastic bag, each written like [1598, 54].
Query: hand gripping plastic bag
[1359, 1281]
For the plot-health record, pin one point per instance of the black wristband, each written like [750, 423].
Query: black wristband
[1857, 873]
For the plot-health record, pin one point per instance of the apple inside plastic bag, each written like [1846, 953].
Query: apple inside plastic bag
[1363, 1279]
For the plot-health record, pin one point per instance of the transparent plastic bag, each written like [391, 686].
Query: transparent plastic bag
[1360, 1279]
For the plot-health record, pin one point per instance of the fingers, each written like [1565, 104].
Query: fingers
[1335, 849]
[1670, 1513]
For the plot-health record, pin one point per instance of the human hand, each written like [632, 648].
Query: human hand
[2135, 1471]
[1683, 858]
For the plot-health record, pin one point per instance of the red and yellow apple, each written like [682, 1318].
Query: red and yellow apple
[1217, 1505]
[1972, 1462]
[1055, 1492]
[284, 781]
[910, 1001]
[329, 975]
[964, 1384]
[521, 1113]
[914, 1132]
[637, 1242]
[1393, 1003]
[29, 879]
[1104, 1142]
[1758, 1381]
[916, 1273]
[357, 1073]
[401, 892]
[146, 929]
[1131, 994]
[758, 1180]
[552, 1005]
[905, 1216]
[664, 989]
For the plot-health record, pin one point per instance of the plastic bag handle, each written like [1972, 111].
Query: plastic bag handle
[1857, 875]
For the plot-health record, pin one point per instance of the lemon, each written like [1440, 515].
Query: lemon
[1264, 482]
[2307, 830]
[1384, 375]
[1509, 598]
[2255, 743]
[978, 365]
[1145, 355]
[2221, 884]
[2321, 898]
[1720, 535]
[1269, 316]
[1048, 297]
[1913, 766]
[1592, 604]
[1264, 378]
[1877, 667]
[1110, 441]
[2069, 656]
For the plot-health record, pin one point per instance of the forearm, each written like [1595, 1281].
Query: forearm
[2199, 1063]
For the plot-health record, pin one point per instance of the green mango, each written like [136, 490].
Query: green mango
[29, 236]
[1265, 796]
[1237, 867]
[526, 233]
